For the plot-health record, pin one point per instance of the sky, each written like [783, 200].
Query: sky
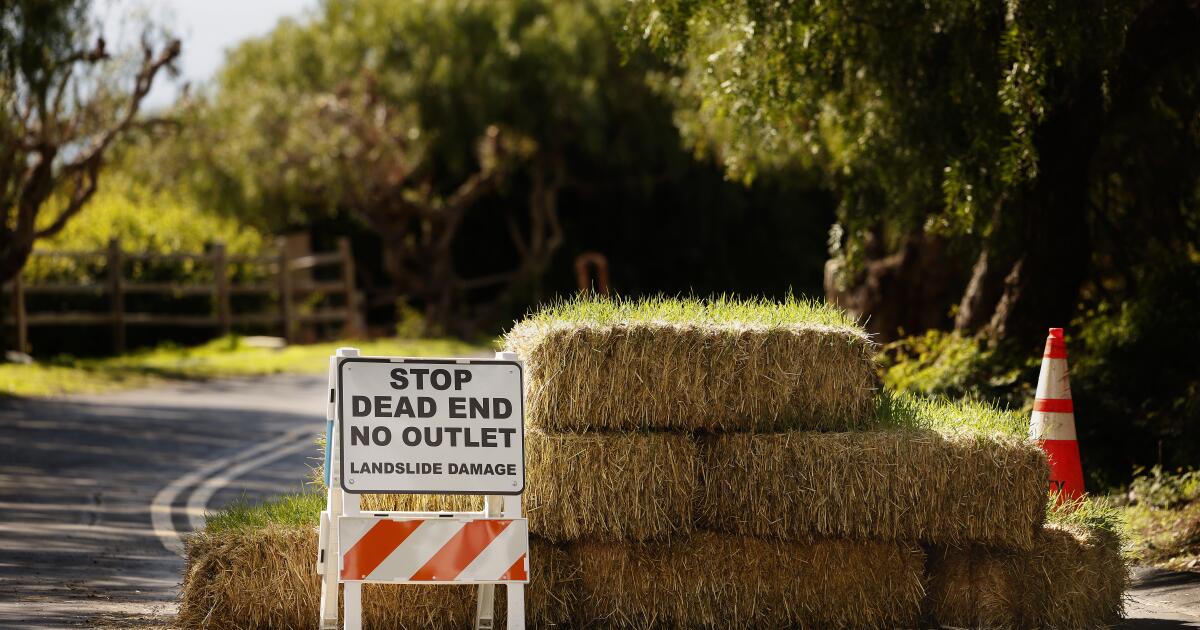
[207, 28]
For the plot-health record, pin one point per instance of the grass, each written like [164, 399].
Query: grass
[224, 357]
[1094, 514]
[948, 417]
[691, 364]
[719, 310]
[1161, 519]
[287, 510]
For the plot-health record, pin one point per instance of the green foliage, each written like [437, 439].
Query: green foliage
[950, 364]
[350, 116]
[444, 70]
[35, 34]
[1137, 400]
[152, 221]
[145, 221]
[1162, 518]
[925, 111]
[1164, 490]
[1133, 373]
[289, 510]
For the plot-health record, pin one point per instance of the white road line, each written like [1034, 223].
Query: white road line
[160, 507]
[197, 503]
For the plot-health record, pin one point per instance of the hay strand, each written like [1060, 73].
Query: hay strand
[716, 366]
[882, 485]
[1071, 578]
[712, 581]
[613, 487]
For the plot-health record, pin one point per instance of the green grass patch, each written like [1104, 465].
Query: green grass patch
[1093, 514]
[900, 410]
[298, 509]
[1161, 518]
[224, 357]
[721, 310]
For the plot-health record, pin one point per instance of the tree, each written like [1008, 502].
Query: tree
[955, 130]
[62, 112]
[427, 120]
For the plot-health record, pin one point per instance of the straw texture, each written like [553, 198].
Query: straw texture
[1072, 578]
[712, 581]
[609, 487]
[266, 578]
[646, 375]
[883, 485]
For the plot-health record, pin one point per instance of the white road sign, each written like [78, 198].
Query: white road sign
[431, 426]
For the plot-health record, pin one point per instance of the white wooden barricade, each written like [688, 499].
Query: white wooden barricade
[342, 512]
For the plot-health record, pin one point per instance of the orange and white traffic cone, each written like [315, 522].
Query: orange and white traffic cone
[1053, 421]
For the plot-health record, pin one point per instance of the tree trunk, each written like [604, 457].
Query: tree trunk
[12, 259]
[1041, 289]
[983, 292]
[904, 292]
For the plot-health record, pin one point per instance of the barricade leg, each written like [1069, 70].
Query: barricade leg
[515, 592]
[485, 606]
[485, 603]
[333, 509]
[352, 601]
[516, 606]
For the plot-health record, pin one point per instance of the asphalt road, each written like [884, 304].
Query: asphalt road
[79, 546]
[94, 492]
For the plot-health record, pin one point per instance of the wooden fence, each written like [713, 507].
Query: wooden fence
[281, 269]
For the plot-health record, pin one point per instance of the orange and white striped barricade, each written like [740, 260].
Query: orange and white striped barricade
[424, 426]
[1052, 423]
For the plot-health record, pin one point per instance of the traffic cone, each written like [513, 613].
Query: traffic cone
[1053, 421]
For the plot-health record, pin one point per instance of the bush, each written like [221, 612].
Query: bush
[1164, 490]
[949, 364]
[146, 221]
[1133, 375]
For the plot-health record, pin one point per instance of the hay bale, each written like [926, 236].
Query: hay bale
[266, 578]
[712, 581]
[1071, 578]
[615, 487]
[421, 503]
[691, 365]
[883, 485]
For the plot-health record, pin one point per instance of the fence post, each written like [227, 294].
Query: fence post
[355, 325]
[221, 282]
[285, 291]
[18, 306]
[117, 293]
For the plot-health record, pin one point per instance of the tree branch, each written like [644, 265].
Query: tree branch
[85, 187]
[151, 65]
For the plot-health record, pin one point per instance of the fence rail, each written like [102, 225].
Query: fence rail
[221, 317]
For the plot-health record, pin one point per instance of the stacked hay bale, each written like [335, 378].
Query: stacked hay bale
[731, 464]
[625, 404]
[1073, 576]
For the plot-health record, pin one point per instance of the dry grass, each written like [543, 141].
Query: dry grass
[266, 578]
[711, 581]
[422, 503]
[633, 486]
[1074, 577]
[694, 365]
[889, 485]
